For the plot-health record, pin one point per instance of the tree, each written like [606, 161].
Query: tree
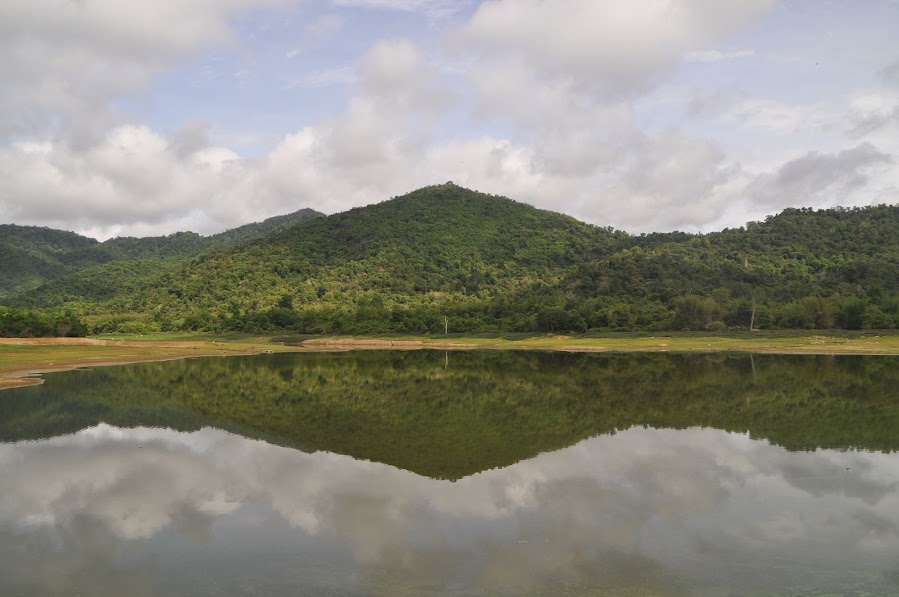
[851, 315]
[286, 301]
[694, 312]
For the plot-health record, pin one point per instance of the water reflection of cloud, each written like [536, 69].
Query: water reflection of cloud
[688, 503]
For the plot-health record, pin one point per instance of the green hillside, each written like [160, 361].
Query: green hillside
[395, 265]
[482, 263]
[801, 269]
[31, 257]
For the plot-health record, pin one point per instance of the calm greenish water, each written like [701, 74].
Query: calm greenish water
[467, 473]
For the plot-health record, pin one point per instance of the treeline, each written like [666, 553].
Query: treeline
[21, 323]
[687, 313]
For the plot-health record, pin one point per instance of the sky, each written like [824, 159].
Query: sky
[127, 117]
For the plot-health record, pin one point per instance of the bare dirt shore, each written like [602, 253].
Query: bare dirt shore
[22, 360]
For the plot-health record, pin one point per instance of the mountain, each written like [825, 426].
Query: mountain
[444, 256]
[31, 256]
[392, 265]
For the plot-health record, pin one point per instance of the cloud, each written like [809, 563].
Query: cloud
[544, 108]
[700, 501]
[890, 73]
[820, 179]
[369, 151]
[431, 8]
[856, 115]
[189, 139]
[612, 47]
[340, 75]
[666, 181]
[548, 107]
[673, 181]
[134, 180]
[566, 76]
[396, 70]
[590, 163]
[132, 175]
[324, 26]
[66, 60]
[873, 110]
[717, 55]
[781, 118]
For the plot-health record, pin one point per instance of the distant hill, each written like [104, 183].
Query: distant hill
[448, 256]
[31, 256]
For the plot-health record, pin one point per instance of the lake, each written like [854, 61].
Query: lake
[460, 473]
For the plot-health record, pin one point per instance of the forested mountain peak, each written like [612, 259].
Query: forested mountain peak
[433, 204]
[438, 201]
[449, 197]
[444, 220]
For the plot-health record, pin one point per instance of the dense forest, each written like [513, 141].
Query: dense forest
[481, 262]
[31, 256]
[455, 414]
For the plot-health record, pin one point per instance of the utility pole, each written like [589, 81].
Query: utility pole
[445, 325]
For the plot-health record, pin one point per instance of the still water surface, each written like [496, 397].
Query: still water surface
[477, 473]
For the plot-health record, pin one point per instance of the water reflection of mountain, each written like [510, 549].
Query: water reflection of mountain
[448, 416]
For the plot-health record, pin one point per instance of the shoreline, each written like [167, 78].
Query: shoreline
[24, 361]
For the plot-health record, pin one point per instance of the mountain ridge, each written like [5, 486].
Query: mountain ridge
[448, 256]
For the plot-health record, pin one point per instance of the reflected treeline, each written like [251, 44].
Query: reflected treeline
[448, 416]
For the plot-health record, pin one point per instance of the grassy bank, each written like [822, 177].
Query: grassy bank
[792, 343]
[21, 359]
